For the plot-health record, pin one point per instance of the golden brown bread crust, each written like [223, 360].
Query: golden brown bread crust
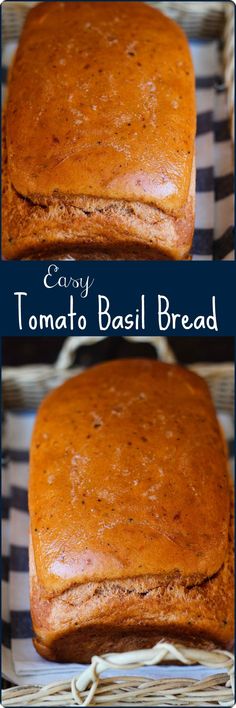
[88, 227]
[129, 505]
[128, 425]
[77, 81]
[135, 613]
[131, 196]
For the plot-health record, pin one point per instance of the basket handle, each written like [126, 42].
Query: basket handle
[66, 356]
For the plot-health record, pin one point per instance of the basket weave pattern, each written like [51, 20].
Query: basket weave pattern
[25, 387]
[91, 689]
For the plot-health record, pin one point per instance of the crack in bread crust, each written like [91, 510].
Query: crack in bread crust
[82, 227]
[121, 616]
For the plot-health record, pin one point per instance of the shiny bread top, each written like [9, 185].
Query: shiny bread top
[128, 477]
[102, 103]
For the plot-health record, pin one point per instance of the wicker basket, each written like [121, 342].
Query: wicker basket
[24, 387]
[198, 19]
[91, 689]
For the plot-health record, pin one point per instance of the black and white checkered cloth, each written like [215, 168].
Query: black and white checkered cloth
[213, 239]
[21, 663]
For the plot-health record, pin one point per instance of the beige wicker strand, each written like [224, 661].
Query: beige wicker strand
[198, 19]
[90, 688]
[13, 17]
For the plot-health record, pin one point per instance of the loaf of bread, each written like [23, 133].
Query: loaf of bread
[129, 513]
[99, 137]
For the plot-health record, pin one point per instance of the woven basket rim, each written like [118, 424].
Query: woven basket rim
[90, 683]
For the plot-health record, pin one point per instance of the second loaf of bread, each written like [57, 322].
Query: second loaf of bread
[130, 514]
